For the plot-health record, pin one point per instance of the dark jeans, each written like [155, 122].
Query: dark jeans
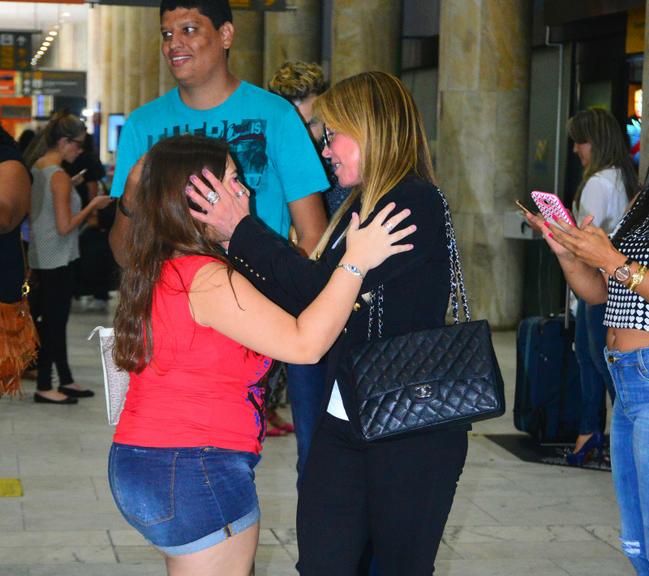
[590, 341]
[51, 301]
[306, 385]
[396, 494]
[95, 271]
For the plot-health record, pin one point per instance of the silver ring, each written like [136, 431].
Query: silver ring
[388, 226]
[240, 193]
[212, 197]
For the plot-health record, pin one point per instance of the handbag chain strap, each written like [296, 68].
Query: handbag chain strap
[457, 280]
[376, 301]
[457, 277]
[25, 288]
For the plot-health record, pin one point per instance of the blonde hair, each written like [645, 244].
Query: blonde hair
[379, 113]
[298, 80]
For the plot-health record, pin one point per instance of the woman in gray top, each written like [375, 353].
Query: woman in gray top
[55, 218]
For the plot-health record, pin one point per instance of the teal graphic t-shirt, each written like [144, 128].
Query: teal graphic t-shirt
[268, 141]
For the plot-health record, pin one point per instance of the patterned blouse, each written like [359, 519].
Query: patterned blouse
[625, 309]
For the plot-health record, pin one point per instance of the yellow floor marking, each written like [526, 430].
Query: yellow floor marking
[10, 488]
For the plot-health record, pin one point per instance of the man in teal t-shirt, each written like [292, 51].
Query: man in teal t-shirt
[267, 138]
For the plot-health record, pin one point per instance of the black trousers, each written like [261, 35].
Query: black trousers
[395, 494]
[51, 302]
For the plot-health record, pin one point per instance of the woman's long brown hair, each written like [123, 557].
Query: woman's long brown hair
[608, 148]
[161, 227]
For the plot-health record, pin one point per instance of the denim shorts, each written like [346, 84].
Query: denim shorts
[184, 500]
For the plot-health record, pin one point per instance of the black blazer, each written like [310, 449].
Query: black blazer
[416, 284]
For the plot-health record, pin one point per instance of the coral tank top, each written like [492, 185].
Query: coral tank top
[200, 388]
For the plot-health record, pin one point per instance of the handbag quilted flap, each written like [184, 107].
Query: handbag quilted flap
[459, 352]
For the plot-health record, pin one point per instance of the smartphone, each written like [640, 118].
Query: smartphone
[550, 205]
[81, 172]
[523, 207]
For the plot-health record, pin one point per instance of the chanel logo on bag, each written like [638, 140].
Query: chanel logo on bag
[423, 391]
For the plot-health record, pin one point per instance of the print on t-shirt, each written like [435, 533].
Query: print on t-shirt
[246, 139]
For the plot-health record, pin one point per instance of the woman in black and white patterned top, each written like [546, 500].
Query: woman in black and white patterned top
[612, 270]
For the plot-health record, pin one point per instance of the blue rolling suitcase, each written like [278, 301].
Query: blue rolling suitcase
[547, 399]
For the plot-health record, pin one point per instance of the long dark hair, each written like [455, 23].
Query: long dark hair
[161, 227]
[608, 147]
[62, 125]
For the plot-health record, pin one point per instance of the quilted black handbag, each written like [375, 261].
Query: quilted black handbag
[429, 379]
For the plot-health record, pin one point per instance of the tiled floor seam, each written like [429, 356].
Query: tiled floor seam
[594, 535]
[560, 567]
[113, 547]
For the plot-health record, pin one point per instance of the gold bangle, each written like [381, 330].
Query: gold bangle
[637, 278]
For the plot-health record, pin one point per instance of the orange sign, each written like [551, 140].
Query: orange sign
[258, 4]
[635, 30]
[7, 83]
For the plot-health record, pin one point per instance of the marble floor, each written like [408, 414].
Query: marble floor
[509, 517]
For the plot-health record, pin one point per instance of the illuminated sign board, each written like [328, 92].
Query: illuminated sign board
[265, 5]
[15, 50]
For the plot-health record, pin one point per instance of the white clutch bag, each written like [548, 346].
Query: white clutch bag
[115, 380]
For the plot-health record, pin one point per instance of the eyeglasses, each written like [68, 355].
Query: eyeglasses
[327, 136]
[79, 143]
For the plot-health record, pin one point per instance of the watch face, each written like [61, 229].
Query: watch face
[623, 273]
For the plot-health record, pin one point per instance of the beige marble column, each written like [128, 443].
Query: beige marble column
[71, 37]
[133, 68]
[94, 79]
[118, 59]
[365, 36]
[150, 54]
[292, 35]
[644, 143]
[105, 96]
[484, 69]
[246, 55]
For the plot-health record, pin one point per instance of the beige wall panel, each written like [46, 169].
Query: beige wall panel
[292, 35]
[459, 47]
[150, 54]
[106, 49]
[366, 36]
[482, 142]
[246, 56]
[117, 60]
[133, 68]
[95, 64]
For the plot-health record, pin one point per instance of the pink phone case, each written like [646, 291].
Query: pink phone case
[551, 205]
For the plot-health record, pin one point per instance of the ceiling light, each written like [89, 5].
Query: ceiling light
[44, 48]
[47, 43]
[65, 15]
[49, 38]
[40, 52]
[53, 32]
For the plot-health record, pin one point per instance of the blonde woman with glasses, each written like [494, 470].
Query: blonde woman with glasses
[394, 495]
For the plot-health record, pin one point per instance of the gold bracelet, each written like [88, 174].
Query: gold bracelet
[637, 278]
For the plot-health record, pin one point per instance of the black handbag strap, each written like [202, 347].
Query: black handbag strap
[457, 281]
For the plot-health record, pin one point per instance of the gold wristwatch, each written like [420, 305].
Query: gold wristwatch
[623, 273]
